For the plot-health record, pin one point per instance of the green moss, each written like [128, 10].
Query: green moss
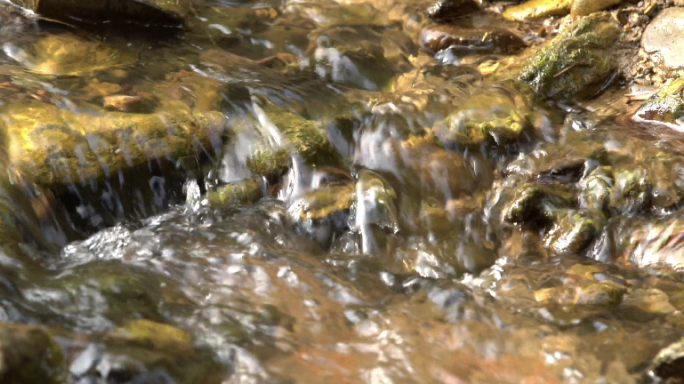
[244, 192]
[306, 138]
[575, 62]
[492, 116]
[325, 202]
[269, 162]
[54, 147]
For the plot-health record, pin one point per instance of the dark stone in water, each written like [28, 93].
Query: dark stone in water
[164, 12]
[439, 37]
[445, 10]
[669, 362]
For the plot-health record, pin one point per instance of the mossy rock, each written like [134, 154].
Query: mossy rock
[574, 231]
[576, 63]
[666, 105]
[495, 115]
[238, 193]
[54, 147]
[306, 139]
[29, 355]
[538, 204]
[324, 202]
[166, 12]
[152, 334]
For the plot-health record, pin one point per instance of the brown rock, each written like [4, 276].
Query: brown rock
[438, 37]
[538, 9]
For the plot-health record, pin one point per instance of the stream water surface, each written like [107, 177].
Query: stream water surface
[299, 192]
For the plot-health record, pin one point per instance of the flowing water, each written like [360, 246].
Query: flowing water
[342, 222]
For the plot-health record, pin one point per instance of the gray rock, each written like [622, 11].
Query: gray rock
[664, 37]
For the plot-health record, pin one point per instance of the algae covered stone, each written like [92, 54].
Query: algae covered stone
[68, 54]
[576, 62]
[538, 9]
[494, 114]
[666, 105]
[55, 147]
[167, 12]
[305, 138]
[241, 192]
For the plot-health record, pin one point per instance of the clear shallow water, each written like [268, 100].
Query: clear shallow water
[381, 254]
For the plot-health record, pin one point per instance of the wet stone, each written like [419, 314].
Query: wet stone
[574, 231]
[646, 304]
[669, 362]
[663, 38]
[666, 105]
[492, 115]
[575, 63]
[537, 9]
[55, 147]
[237, 193]
[445, 10]
[164, 12]
[465, 41]
[67, 54]
[538, 204]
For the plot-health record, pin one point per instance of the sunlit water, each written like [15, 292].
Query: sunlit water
[386, 260]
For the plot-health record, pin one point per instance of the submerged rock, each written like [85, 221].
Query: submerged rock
[666, 106]
[662, 38]
[323, 213]
[574, 231]
[67, 54]
[575, 62]
[365, 57]
[29, 355]
[375, 207]
[494, 114]
[167, 12]
[466, 40]
[538, 9]
[537, 205]
[655, 242]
